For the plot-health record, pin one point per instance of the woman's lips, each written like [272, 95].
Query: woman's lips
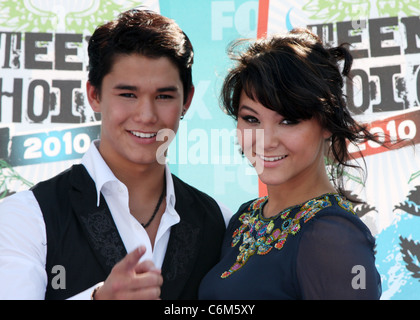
[271, 161]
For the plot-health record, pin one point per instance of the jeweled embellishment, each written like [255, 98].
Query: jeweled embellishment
[257, 234]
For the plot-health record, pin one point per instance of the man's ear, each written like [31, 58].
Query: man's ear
[188, 101]
[93, 97]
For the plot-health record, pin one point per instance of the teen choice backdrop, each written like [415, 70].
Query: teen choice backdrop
[46, 123]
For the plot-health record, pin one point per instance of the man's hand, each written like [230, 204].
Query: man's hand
[131, 280]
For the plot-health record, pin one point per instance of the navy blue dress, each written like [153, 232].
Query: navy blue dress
[316, 250]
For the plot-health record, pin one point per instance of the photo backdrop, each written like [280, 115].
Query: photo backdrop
[46, 123]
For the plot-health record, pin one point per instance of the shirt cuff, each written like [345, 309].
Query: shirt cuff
[85, 295]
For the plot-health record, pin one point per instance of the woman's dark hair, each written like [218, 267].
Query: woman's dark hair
[141, 32]
[300, 78]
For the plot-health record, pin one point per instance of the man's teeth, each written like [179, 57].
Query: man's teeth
[272, 158]
[143, 135]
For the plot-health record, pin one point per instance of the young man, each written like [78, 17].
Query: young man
[121, 199]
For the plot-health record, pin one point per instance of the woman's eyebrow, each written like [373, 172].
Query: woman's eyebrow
[247, 108]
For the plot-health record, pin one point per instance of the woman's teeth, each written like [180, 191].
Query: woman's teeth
[272, 158]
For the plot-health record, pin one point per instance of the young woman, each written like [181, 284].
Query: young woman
[303, 240]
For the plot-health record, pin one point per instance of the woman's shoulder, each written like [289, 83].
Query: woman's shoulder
[327, 204]
[337, 211]
[335, 205]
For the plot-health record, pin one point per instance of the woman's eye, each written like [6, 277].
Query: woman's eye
[250, 119]
[289, 122]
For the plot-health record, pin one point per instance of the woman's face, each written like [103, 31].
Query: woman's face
[282, 151]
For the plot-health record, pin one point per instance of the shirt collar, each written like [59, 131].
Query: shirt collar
[101, 174]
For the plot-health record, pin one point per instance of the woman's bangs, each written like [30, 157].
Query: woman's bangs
[271, 96]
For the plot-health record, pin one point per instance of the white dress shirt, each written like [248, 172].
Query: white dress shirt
[23, 241]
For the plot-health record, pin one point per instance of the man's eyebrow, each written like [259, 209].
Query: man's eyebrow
[135, 88]
[125, 87]
[166, 89]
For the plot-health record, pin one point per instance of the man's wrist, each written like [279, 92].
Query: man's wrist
[92, 296]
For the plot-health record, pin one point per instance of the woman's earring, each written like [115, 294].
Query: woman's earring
[182, 114]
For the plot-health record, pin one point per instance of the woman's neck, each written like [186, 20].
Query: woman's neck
[284, 196]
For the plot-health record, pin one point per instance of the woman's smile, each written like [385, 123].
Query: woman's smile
[271, 161]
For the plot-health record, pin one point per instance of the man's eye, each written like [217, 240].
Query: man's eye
[164, 96]
[127, 95]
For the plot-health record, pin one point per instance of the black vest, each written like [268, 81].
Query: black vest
[84, 242]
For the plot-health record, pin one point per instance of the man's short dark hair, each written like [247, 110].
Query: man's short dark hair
[143, 32]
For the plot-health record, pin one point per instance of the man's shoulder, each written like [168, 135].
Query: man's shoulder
[182, 186]
[63, 176]
[188, 196]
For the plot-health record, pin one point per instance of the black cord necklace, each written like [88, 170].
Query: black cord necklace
[157, 206]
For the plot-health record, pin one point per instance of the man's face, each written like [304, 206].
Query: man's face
[139, 97]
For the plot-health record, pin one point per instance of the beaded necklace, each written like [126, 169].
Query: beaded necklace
[257, 234]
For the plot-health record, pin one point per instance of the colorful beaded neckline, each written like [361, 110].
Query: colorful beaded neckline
[258, 236]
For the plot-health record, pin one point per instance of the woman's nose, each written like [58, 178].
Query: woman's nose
[270, 138]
